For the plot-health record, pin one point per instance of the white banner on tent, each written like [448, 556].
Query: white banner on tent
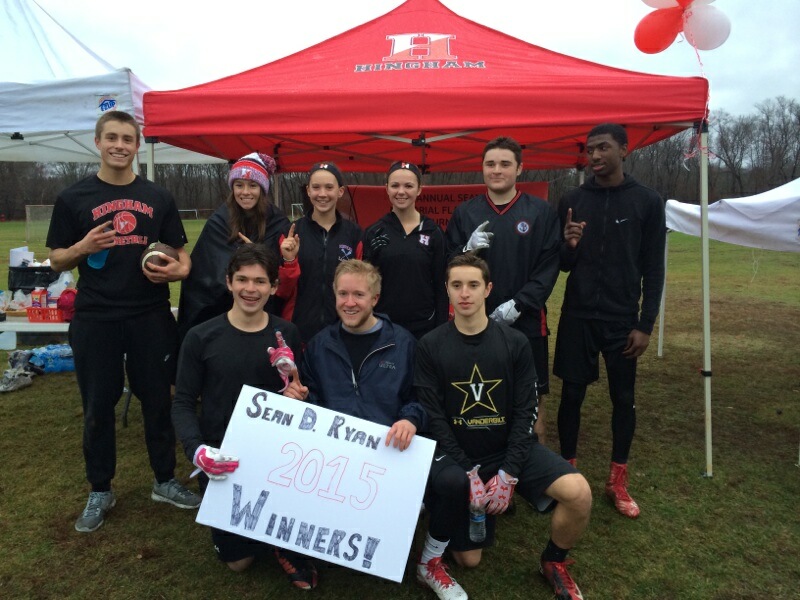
[320, 483]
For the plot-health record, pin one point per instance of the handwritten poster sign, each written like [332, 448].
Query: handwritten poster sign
[319, 482]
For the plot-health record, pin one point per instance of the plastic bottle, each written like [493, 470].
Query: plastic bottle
[98, 259]
[477, 523]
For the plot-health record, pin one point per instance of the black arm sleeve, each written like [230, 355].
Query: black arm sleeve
[188, 386]
[523, 416]
[455, 235]
[651, 258]
[544, 271]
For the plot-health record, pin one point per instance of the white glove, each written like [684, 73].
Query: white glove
[477, 491]
[213, 463]
[506, 313]
[480, 238]
[499, 491]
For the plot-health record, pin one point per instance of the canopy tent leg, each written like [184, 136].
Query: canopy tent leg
[706, 372]
[150, 144]
[663, 301]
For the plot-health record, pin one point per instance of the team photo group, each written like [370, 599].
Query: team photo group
[431, 333]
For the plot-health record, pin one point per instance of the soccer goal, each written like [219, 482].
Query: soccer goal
[297, 212]
[188, 213]
[37, 222]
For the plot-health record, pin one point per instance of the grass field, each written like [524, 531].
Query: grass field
[12, 235]
[733, 536]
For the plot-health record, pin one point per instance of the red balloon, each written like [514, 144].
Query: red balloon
[657, 30]
[686, 3]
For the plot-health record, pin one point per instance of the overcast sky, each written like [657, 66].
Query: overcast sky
[170, 44]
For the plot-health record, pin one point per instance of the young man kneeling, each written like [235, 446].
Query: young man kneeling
[476, 380]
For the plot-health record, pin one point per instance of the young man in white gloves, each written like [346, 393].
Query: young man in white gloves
[518, 235]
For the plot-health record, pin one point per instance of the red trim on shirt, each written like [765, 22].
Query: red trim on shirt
[505, 207]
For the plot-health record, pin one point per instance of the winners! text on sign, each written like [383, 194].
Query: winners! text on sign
[319, 482]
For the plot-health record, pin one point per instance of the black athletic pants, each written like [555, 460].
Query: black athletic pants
[145, 347]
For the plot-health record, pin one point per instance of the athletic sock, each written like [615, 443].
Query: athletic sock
[433, 549]
[553, 553]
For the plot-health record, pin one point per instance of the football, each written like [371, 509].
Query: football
[153, 254]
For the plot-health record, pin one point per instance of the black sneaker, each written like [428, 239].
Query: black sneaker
[300, 569]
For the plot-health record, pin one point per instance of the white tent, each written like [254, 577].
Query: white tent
[770, 220]
[53, 88]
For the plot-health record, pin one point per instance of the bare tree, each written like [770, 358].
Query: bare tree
[22, 184]
[778, 142]
[665, 166]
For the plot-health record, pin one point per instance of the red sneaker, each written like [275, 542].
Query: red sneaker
[434, 574]
[617, 491]
[298, 568]
[557, 575]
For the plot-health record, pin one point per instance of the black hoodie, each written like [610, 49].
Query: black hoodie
[620, 257]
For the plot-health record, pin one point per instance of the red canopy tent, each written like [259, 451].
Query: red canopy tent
[423, 84]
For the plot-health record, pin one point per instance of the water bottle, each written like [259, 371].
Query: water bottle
[477, 523]
[98, 259]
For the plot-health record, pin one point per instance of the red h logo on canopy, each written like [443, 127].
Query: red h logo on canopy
[420, 46]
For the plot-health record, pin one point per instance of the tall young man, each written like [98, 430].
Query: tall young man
[362, 365]
[518, 236]
[123, 321]
[474, 377]
[613, 248]
[217, 358]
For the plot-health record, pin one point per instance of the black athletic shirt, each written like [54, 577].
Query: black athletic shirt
[522, 258]
[215, 361]
[480, 394]
[142, 212]
[320, 253]
[412, 269]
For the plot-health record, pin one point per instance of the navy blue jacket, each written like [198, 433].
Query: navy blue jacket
[381, 390]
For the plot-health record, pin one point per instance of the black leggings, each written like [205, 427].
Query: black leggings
[621, 373]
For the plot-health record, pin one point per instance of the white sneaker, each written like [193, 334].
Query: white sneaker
[434, 574]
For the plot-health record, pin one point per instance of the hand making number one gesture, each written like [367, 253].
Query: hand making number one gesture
[573, 230]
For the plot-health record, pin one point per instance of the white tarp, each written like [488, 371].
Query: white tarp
[770, 220]
[53, 88]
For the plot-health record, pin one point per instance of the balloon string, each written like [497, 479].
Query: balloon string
[695, 147]
[687, 13]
